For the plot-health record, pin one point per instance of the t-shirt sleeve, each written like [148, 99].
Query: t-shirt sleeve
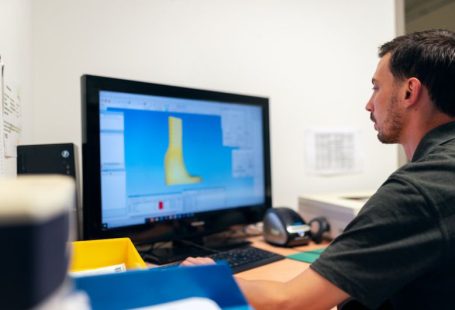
[394, 239]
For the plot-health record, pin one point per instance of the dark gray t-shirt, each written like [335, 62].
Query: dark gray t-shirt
[400, 248]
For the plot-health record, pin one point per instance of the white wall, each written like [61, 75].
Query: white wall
[314, 59]
[15, 49]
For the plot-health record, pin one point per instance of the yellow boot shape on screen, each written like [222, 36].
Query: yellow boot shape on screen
[174, 164]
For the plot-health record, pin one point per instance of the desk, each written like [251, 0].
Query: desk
[282, 270]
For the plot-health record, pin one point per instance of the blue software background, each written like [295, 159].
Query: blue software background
[146, 141]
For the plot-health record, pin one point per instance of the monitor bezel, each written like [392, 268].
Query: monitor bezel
[201, 224]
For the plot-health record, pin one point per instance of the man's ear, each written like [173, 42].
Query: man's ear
[412, 90]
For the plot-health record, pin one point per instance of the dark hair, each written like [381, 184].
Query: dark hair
[430, 57]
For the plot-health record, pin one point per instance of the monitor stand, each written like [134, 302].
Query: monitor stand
[179, 250]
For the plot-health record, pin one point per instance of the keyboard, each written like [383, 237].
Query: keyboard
[241, 259]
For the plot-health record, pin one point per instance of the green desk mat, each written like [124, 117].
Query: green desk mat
[307, 256]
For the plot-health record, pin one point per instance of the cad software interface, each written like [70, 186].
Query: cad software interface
[168, 158]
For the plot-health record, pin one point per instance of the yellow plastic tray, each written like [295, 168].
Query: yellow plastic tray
[93, 254]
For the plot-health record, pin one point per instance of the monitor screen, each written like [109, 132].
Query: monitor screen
[164, 162]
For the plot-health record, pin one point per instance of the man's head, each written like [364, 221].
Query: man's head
[409, 66]
[428, 56]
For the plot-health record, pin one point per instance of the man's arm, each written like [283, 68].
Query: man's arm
[309, 290]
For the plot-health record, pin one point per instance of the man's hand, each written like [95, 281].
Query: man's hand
[193, 261]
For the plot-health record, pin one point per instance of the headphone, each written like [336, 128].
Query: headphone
[319, 226]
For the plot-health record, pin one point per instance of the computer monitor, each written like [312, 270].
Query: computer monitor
[163, 163]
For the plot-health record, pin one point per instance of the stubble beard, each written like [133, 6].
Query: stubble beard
[393, 124]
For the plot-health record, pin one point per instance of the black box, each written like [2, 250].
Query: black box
[47, 159]
[60, 158]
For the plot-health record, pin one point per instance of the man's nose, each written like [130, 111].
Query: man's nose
[369, 106]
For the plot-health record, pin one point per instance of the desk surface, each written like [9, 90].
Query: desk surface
[282, 270]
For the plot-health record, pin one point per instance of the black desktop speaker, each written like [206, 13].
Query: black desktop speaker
[51, 159]
[46, 159]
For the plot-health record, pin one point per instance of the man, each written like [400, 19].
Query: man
[399, 252]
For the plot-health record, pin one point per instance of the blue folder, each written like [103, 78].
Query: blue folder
[140, 288]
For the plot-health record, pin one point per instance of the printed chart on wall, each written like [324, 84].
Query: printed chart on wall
[2, 149]
[333, 151]
[10, 120]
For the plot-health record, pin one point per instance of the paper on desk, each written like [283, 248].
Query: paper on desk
[185, 304]
[102, 270]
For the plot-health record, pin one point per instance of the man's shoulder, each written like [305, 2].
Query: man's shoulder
[440, 161]
[426, 184]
